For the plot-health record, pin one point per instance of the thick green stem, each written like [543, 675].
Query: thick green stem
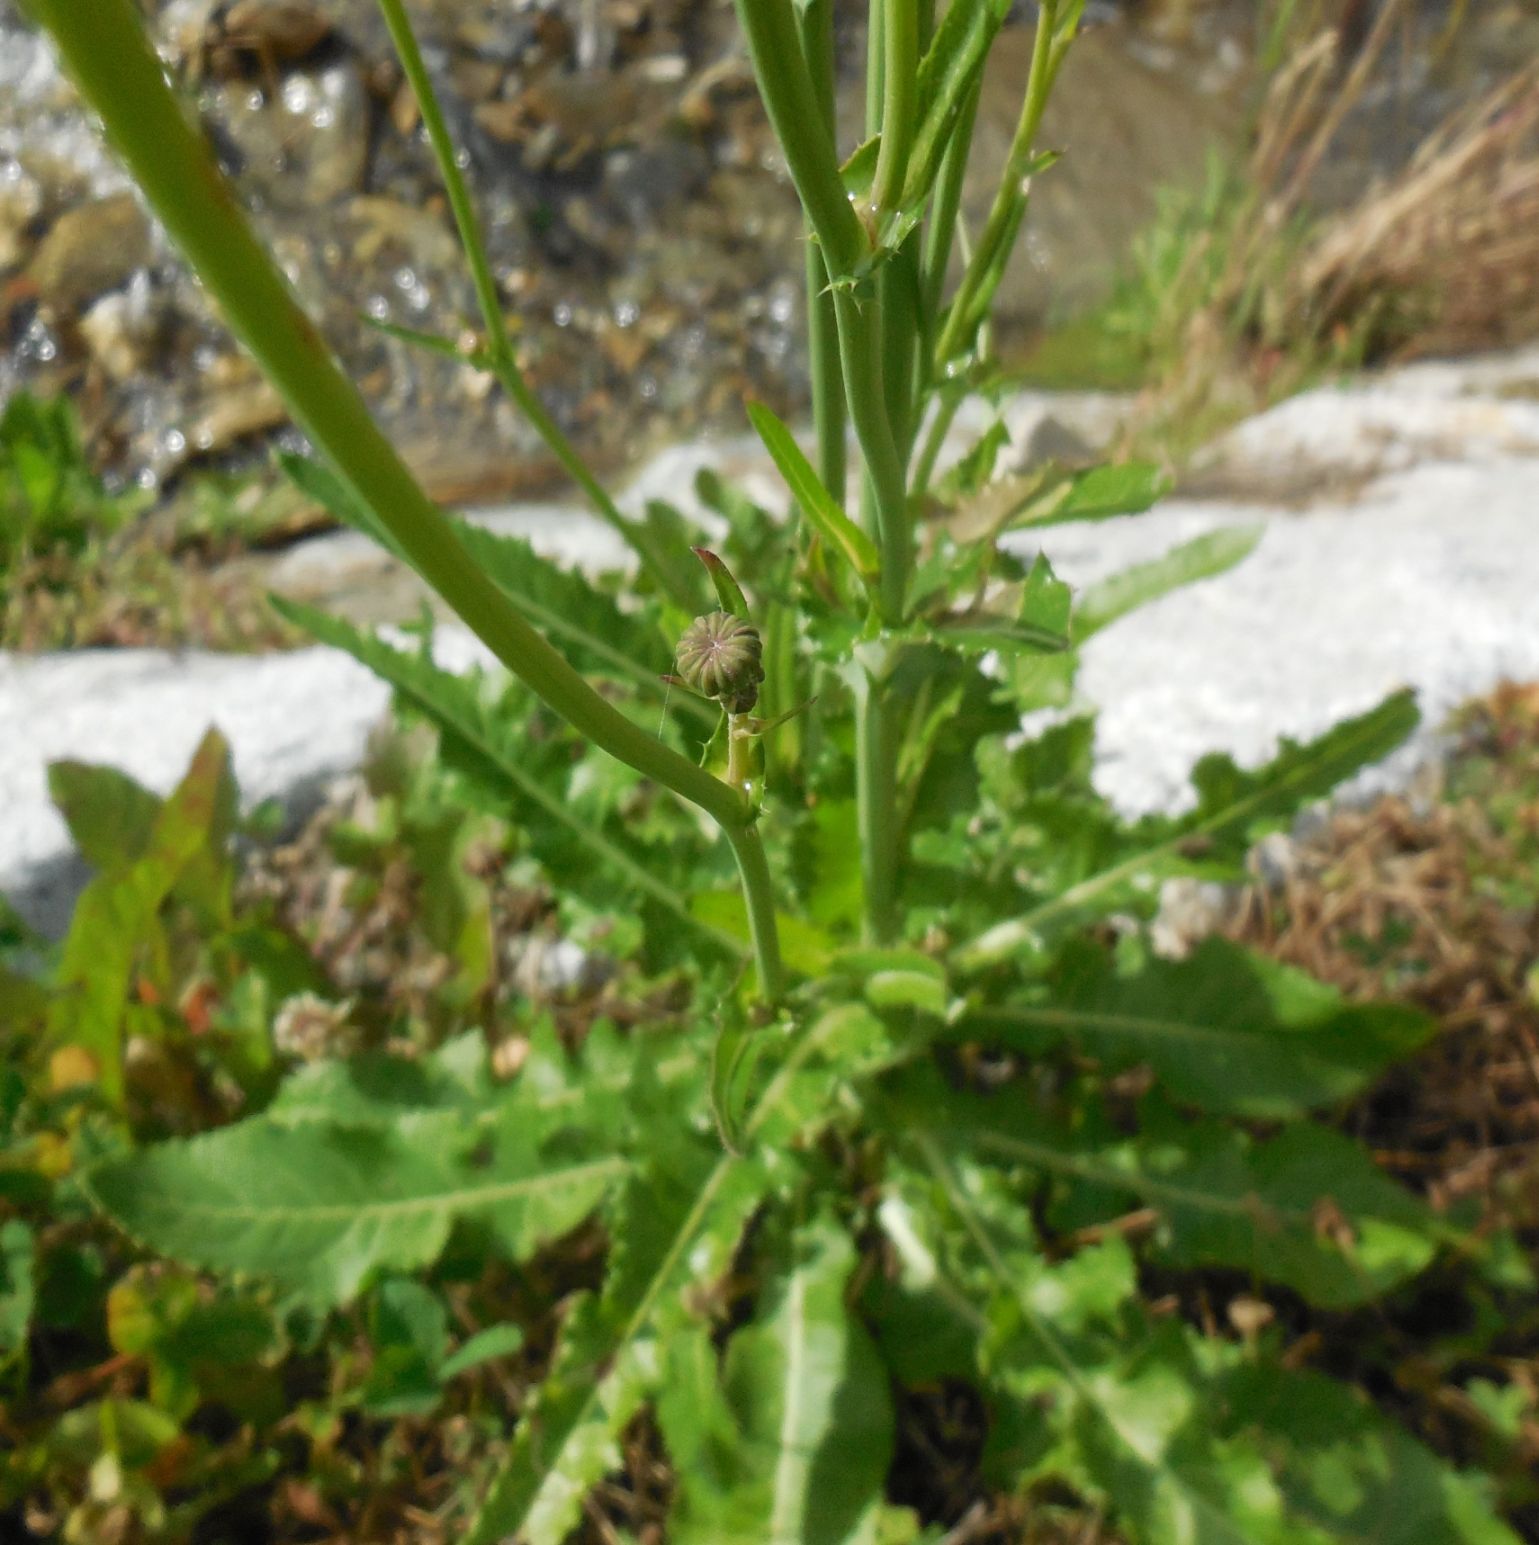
[499, 346]
[791, 102]
[817, 36]
[1004, 214]
[860, 353]
[876, 805]
[899, 100]
[104, 46]
[759, 892]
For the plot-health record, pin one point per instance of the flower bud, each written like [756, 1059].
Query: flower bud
[722, 656]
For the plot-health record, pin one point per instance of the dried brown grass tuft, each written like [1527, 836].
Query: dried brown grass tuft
[1444, 257]
[1438, 907]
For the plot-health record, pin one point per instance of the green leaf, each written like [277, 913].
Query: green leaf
[318, 481]
[807, 950]
[109, 815]
[794, 1446]
[409, 1329]
[1104, 602]
[814, 500]
[595, 634]
[679, 1218]
[950, 66]
[482, 740]
[1307, 1209]
[1040, 623]
[324, 1208]
[1350, 1471]
[1098, 493]
[18, 1287]
[376, 1090]
[117, 911]
[677, 1223]
[1226, 1030]
[1128, 1422]
[485, 1346]
[1235, 809]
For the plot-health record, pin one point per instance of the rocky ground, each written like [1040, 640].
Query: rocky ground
[639, 221]
[1398, 548]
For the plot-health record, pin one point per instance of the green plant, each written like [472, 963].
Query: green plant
[958, 1107]
[80, 566]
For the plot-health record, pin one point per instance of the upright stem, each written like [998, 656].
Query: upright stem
[899, 99]
[759, 893]
[503, 360]
[1004, 214]
[795, 114]
[817, 35]
[941, 225]
[104, 46]
[860, 353]
[876, 804]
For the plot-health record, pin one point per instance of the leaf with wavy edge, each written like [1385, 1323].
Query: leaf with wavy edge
[793, 1446]
[1307, 1208]
[496, 756]
[1234, 809]
[676, 1225]
[323, 1208]
[1226, 1029]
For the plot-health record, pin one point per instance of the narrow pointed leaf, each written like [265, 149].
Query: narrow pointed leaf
[1105, 601]
[815, 501]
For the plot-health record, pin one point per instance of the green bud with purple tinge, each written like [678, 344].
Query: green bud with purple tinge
[721, 656]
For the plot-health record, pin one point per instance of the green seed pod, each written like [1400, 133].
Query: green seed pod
[722, 656]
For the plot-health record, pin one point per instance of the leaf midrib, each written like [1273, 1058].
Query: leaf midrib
[437, 1201]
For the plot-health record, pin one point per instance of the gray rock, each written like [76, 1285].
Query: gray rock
[303, 146]
[90, 250]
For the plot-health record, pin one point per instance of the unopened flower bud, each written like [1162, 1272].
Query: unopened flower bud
[722, 656]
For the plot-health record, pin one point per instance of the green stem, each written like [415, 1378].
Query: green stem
[876, 805]
[791, 102]
[941, 226]
[121, 78]
[759, 892]
[860, 353]
[935, 438]
[1004, 214]
[899, 100]
[817, 36]
[501, 358]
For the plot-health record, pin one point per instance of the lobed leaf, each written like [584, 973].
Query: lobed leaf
[1226, 1029]
[1102, 603]
[322, 1208]
[1307, 1209]
[1235, 809]
[485, 744]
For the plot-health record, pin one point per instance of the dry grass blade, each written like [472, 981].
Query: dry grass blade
[1452, 241]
